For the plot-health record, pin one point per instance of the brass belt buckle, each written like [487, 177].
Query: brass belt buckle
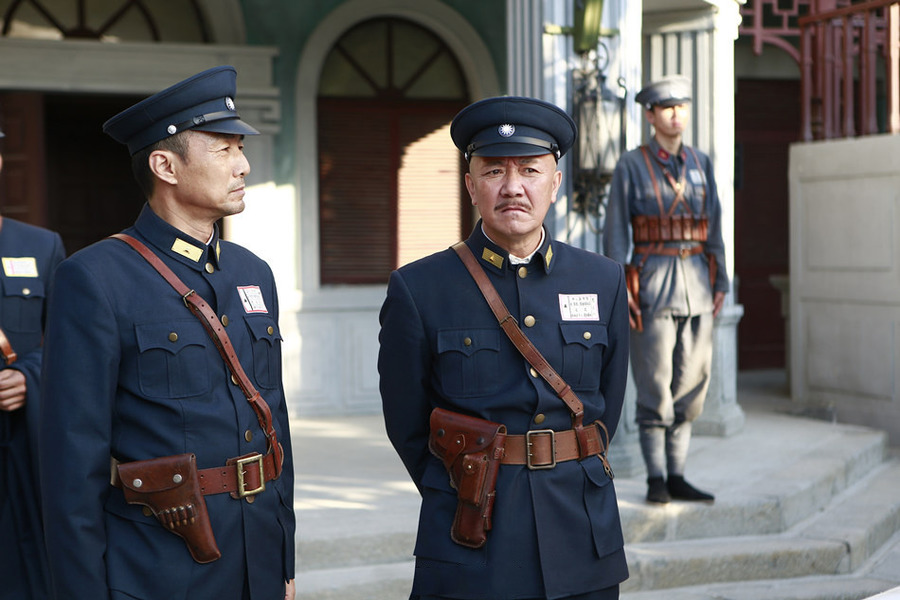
[241, 462]
[684, 252]
[529, 444]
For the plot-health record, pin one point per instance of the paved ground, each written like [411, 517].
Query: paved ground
[352, 489]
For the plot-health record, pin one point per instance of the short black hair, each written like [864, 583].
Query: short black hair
[140, 161]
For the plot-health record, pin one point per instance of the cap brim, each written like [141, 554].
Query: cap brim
[230, 126]
[510, 149]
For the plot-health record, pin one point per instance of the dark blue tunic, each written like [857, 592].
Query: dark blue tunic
[118, 383]
[556, 532]
[30, 255]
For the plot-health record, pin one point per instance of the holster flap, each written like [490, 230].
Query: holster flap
[158, 475]
[453, 434]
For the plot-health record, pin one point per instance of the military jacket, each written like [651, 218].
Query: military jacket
[556, 532]
[29, 256]
[669, 284]
[130, 374]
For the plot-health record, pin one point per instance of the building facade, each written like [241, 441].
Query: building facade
[355, 173]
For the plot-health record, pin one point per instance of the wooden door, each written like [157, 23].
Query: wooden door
[22, 181]
[767, 121]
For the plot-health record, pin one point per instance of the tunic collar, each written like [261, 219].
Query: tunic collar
[174, 243]
[494, 258]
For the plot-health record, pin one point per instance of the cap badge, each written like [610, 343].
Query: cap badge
[229, 103]
[506, 130]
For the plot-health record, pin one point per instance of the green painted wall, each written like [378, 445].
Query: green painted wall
[287, 24]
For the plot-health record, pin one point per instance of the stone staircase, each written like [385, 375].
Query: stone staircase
[805, 510]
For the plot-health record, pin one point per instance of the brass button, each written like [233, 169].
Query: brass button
[534, 373]
[234, 379]
[173, 337]
[523, 272]
[210, 268]
[147, 512]
[248, 435]
[529, 321]
[539, 418]
[26, 291]
[251, 499]
[225, 320]
[587, 335]
[467, 341]
[270, 330]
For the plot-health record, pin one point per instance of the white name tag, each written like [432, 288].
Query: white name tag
[24, 266]
[696, 177]
[252, 299]
[579, 307]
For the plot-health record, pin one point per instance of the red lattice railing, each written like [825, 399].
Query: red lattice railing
[844, 54]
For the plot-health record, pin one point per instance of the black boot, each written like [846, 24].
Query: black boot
[656, 491]
[679, 489]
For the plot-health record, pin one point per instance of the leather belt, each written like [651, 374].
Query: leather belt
[543, 448]
[242, 476]
[683, 252]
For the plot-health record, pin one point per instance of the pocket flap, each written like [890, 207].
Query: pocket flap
[588, 334]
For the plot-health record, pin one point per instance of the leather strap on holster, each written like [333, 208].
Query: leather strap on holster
[216, 331]
[587, 441]
[6, 349]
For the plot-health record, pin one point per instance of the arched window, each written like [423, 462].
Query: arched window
[390, 179]
[105, 20]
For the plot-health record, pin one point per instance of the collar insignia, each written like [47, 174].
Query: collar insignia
[492, 257]
[187, 249]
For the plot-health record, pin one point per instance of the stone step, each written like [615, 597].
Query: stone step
[774, 493]
[838, 540]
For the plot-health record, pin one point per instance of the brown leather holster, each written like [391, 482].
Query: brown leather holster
[170, 488]
[633, 283]
[471, 450]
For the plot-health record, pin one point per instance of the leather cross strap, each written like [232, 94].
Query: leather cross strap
[6, 349]
[216, 331]
[518, 338]
[587, 440]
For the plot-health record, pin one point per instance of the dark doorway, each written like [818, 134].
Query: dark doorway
[61, 171]
[767, 121]
[90, 190]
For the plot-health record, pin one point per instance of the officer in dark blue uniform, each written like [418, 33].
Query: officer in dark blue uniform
[555, 525]
[665, 219]
[130, 374]
[29, 256]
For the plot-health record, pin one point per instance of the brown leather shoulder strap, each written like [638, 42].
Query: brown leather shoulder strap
[646, 152]
[216, 331]
[6, 349]
[518, 337]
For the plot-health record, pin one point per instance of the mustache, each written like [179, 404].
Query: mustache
[512, 204]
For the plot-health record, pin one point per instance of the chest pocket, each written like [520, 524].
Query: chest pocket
[583, 346]
[266, 350]
[173, 359]
[468, 361]
[23, 304]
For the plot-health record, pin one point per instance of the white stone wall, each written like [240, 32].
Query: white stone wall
[845, 279]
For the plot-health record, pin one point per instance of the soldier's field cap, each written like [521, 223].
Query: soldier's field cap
[668, 91]
[203, 102]
[512, 126]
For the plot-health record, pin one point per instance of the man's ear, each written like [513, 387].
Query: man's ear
[163, 164]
